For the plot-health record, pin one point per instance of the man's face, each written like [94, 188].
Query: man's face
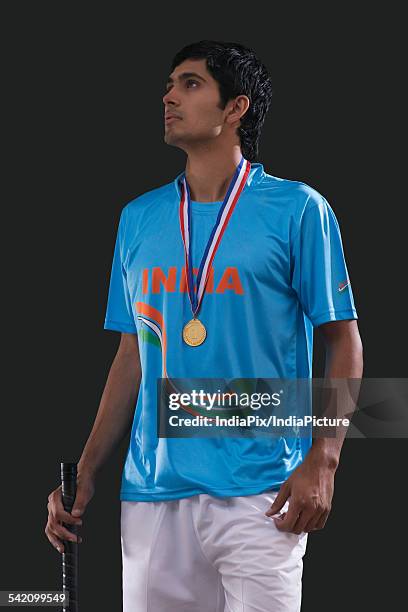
[193, 97]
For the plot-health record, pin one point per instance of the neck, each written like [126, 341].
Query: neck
[209, 173]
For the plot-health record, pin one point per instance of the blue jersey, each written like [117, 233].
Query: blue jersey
[279, 272]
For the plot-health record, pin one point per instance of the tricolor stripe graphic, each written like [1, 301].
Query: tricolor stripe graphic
[153, 318]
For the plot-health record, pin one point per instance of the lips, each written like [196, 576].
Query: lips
[169, 117]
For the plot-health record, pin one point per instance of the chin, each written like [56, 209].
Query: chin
[171, 139]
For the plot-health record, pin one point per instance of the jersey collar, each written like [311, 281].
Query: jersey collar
[256, 174]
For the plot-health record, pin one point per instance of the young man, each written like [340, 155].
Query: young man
[223, 272]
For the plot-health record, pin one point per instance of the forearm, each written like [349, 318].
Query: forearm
[115, 413]
[343, 371]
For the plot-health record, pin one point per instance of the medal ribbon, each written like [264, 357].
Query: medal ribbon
[234, 191]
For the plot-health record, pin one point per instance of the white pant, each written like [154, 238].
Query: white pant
[209, 554]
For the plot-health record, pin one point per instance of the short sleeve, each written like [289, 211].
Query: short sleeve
[119, 316]
[319, 272]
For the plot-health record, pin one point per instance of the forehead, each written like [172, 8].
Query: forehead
[199, 66]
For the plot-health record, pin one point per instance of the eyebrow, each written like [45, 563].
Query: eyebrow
[185, 75]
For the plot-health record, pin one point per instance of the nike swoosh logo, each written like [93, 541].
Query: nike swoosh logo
[344, 286]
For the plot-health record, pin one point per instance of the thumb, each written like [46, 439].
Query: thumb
[83, 495]
[279, 501]
[79, 506]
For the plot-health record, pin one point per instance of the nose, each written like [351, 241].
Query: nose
[170, 97]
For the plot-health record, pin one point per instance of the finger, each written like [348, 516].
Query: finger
[305, 519]
[65, 517]
[57, 542]
[279, 501]
[279, 517]
[57, 510]
[288, 522]
[63, 533]
[58, 545]
[74, 514]
[312, 524]
[322, 520]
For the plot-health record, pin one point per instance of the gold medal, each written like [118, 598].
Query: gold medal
[194, 332]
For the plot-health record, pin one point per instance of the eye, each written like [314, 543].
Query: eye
[187, 82]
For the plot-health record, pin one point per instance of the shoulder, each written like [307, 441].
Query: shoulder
[148, 198]
[297, 194]
[134, 212]
[298, 199]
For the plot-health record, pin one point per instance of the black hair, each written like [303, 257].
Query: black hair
[238, 71]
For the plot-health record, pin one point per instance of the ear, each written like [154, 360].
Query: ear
[237, 109]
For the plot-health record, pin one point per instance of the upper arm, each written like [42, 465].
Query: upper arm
[129, 346]
[337, 331]
[129, 341]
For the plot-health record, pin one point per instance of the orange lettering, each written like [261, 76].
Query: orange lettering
[169, 283]
[145, 283]
[230, 280]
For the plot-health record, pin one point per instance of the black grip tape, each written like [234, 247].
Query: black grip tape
[70, 554]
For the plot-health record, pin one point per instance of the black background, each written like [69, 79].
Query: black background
[82, 136]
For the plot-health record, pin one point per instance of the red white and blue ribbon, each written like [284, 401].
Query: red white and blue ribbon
[234, 191]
